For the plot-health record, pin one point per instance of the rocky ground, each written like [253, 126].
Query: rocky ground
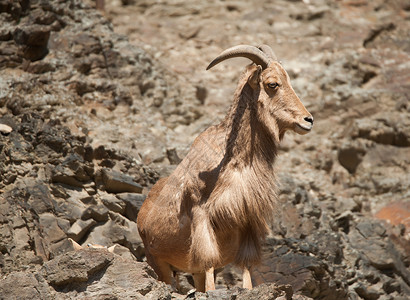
[100, 105]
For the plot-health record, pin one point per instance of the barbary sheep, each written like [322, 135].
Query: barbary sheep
[215, 208]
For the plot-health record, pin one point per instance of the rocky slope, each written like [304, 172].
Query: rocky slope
[98, 117]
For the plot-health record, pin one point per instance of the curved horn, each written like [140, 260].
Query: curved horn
[268, 51]
[251, 52]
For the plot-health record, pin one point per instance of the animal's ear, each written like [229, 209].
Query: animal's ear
[254, 78]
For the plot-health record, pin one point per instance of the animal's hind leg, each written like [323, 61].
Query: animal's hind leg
[162, 268]
[165, 273]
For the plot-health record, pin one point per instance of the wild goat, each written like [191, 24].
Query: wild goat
[216, 206]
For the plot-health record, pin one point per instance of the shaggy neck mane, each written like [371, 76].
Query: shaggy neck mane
[245, 194]
[248, 141]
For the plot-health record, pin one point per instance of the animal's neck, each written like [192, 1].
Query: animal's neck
[248, 143]
[246, 194]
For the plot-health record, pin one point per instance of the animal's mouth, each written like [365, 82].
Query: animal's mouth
[303, 128]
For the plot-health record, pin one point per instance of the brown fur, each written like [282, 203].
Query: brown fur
[216, 206]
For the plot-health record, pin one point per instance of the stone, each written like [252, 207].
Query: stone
[297, 265]
[266, 291]
[59, 248]
[133, 203]
[123, 274]
[99, 213]
[72, 209]
[40, 67]
[350, 155]
[86, 273]
[80, 228]
[33, 35]
[396, 212]
[371, 229]
[41, 247]
[76, 266]
[121, 251]
[34, 39]
[52, 231]
[5, 129]
[367, 292]
[134, 242]
[115, 182]
[65, 176]
[173, 157]
[112, 202]
[73, 171]
[40, 198]
[21, 238]
[107, 234]
[21, 285]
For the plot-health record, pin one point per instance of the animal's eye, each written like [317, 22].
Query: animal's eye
[273, 85]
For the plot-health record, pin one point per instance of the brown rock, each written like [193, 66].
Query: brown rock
[396, 213]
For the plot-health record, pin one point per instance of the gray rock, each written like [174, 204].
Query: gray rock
[72, 208]
[51, 228]
[267, 291]
[80, 228]
[351, 153]
[108, 234]
[367, 293]
[133, 203]
[23, 285]
[285, 264]
[34, 39]
[115, 182]
[85, 273]
[122, 251]
[5, 129]
[112, 202]
[99, 213]
[75, 266]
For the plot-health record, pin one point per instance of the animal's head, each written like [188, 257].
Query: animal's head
[279, 108]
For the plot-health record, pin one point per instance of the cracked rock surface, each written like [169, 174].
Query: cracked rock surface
[96, 106]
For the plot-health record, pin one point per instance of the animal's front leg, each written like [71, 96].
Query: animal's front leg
[199, 281]
[209, 279]
[246, 278]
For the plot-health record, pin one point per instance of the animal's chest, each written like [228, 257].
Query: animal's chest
[229, 244]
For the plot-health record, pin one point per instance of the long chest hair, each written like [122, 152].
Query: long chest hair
[245, 193]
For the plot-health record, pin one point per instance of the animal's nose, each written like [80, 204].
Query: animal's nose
[309, 119]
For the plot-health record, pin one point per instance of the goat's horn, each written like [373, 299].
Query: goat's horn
[251, 52]
[268, 51]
